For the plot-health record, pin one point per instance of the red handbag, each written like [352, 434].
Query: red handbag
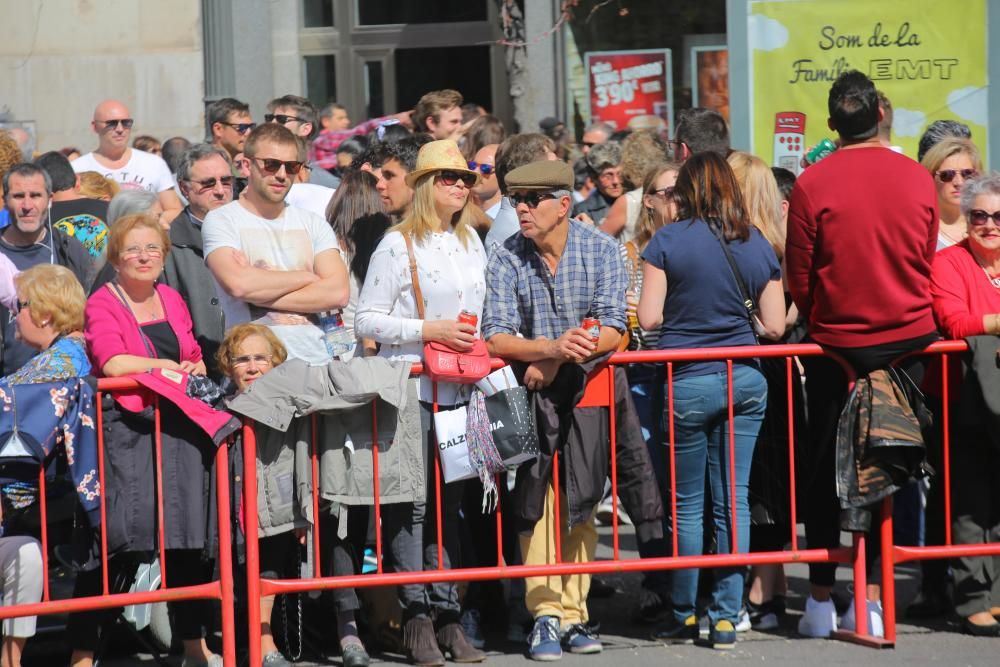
[443, 363]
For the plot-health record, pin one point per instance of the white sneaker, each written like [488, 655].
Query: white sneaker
[605, 509]
[877, 625]
[819, 620]
[743, 621]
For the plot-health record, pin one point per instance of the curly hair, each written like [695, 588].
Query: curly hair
[10, 154]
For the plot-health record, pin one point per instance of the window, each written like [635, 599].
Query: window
[317, 13]
[374, 100]
[382, 12]
[321, 79]
[464, 68]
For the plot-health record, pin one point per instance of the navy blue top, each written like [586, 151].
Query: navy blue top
[704, 307]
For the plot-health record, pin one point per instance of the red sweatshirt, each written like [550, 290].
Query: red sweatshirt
[962, 293]
[862, 231]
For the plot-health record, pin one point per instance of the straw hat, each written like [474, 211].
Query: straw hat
[441, 155]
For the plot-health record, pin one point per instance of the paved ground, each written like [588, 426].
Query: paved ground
[626, 645]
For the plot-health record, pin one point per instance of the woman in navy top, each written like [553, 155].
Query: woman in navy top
[691, 295]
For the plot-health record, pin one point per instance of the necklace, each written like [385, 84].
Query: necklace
[993, 281]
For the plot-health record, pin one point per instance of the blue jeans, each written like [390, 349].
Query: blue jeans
[701, 435]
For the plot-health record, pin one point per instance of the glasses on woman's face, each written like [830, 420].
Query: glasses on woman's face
[150, 250]
[948, 175]
[21, 305]
[450, 178]
[666, 193]
[978, 217]
[256, 359]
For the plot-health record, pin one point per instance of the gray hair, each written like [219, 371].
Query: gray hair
[939, 130]
[986, 184]
[128, 202]
[600, 127]
[197, 153]
[604, 156]
[26, 170]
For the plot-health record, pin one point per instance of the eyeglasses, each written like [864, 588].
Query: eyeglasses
[282, 119]
[979, 217]
[610, 175]
[678, 150]
[452, 177]
[666, 193]
[270, 165]
[21, 305]
[484, 169]
[209, 183]
[151, 250]
[257, 359]
[125, 123]
[242, 128]
[948, 175]
[532, 199]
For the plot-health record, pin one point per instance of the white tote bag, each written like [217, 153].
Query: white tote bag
[449, 431]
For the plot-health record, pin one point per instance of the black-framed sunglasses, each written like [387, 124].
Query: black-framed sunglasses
[209, 183]
[112, 124]
[532, 199]
[281, 119]
[948, 175]
[270, 165]
[452, 177]
[484, 169]
[978, 217]
[666, 193]
[242, 128]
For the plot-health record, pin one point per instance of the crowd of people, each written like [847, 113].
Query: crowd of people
[280, 269]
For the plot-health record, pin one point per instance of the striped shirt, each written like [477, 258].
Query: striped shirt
[523, 297]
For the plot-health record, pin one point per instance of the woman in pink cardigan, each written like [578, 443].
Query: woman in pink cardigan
[133, 325]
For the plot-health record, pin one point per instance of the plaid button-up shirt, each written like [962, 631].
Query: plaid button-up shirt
[523, 297]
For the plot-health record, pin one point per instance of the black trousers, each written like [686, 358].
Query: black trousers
[826, 395]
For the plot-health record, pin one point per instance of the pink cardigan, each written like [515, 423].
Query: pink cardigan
[111, 330]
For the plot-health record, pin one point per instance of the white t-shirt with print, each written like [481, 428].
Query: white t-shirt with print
[143, 171]
[288, 243]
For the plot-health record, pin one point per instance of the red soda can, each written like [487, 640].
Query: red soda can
[592, 326]
[468, 317]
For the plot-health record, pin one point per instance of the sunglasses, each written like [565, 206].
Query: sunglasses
[532, 200]
[452, 177]
[270, 165]
[484, 169]
[979, 217]
[242, 128]
[125, 123]
[281, 118]
[948, 175]
[209, 183]
[21, 305]
[666, 193]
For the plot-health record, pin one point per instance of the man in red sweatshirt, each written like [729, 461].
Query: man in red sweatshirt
[862, 232]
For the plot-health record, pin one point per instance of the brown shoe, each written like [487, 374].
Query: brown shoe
[452, 640]
[420, 644]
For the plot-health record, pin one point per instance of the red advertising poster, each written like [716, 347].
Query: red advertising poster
[631, 88]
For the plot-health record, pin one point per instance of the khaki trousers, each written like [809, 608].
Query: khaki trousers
[564, 597]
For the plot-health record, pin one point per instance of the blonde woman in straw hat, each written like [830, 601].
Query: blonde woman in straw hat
[451, 264]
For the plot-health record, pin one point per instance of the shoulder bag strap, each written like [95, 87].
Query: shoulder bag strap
[417, 294]
[633, 254]
[115, 289]
[748, 301]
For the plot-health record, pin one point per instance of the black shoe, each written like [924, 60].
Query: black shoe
[678, 633]
[355, 655]
[600, 589]
[927, 605]
[651, 608]
[971, 628]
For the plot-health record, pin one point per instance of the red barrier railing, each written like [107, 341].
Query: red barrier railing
[600, 392]
[221, 590]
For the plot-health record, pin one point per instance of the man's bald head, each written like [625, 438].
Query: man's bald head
[113, 125]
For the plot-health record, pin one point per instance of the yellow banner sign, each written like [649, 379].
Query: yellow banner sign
[928, 58]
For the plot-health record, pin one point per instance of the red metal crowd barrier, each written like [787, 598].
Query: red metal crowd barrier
[600, 392]
[221, 590]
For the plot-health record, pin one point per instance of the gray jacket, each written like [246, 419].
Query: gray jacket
[284, 479]
[186, 272]
[343, 393]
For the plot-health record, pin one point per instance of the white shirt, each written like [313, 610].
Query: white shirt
[311, 197]
[452, 279]
[143, 171]
[287, 243]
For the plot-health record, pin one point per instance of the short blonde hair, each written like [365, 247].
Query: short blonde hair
[230, 347]
[423, 221]
[945, 148]
[95, 186]
[55, 296]
[125, 224]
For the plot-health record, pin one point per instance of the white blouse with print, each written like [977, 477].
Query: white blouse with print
[452, 279]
